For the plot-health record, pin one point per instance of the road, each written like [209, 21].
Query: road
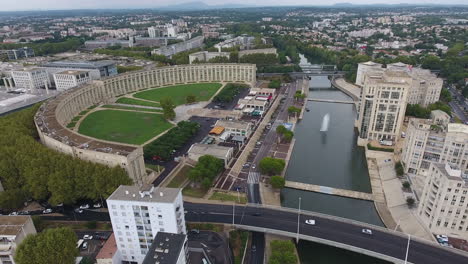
[386, 243]
[458, 104]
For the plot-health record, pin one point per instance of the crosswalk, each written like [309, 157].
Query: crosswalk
[254, 177]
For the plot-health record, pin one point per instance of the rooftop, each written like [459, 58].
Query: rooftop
[152, 194]
[79, 64]
[457, 128]
[109, 249]
[232, 124]
[209, 149]
[72, 72]
[12, 225]
[165, 248]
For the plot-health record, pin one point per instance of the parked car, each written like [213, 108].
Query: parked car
[88, 237]
[97, 205]
[85, 245]
[366, 231]
[84, 206]
[443, 239]
[13, 213]
[47, 211]
[310, 222]
[78, 210]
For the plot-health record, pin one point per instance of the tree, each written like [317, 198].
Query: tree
[282, 252]
[57, 245]
[275, 84]
[445, 95]
[406, 185]
[206, 170]
[293, 110]
[288, 136]
[271, 166]
[410, 201]
[191, 98]
[399, 168]
[277, 182]
[281, 129]
[168, 108]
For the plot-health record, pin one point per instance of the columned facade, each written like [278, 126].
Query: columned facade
[55, 114]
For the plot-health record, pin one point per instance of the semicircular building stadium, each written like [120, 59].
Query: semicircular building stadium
[54, 115]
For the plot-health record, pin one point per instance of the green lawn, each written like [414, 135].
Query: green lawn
[194, 192]
[180, 178]
[123, 126]
[131, 101]
[131, 108]
[178, 93]
[221, 196]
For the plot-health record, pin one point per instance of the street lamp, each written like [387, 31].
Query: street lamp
[298, 219]
[407, 249]
[233, 206]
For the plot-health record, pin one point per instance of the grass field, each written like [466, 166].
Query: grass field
[123, 126]
[130, 101]
[178, 93]
[180, 178]
[221, 196]
[131, 108]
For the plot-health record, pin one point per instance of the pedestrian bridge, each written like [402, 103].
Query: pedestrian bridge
[329, 190]
[330, 101]
[385, 244]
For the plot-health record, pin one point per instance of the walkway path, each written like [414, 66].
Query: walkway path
[330, 101]
[348, 88]
[329, 190]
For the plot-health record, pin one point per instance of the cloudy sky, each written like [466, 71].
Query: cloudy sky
[8, 5]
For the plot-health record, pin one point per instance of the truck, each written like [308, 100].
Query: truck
[386, 142]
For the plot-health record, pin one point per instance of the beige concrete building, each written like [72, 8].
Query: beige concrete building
[383, 105]
[235, 127]
[31, 79]
[224, 153]
[434, 140]
[443, 206]
[13, 230]
[206, 56]
[242, 53]
[425, 87]
[54, 115]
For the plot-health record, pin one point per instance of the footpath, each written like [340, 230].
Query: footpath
[392, 206]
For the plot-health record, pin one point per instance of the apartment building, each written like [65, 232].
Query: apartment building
[105, 67]
[138, 214]
[429, 141]
[16, 54]
[425, 87]
[72, 78]
[168, 248]
[31, 79]
[443, 206]
[206, 56]
[383, 105]
[13, 230]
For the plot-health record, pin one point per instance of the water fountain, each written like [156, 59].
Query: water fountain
[325, 123]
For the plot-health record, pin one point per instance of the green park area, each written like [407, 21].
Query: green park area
[123, 126]
[179, 93]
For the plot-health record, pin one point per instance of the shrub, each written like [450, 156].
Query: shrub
[277, 182]
[271, 166]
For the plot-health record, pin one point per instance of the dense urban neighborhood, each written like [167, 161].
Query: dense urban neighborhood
[228, 134]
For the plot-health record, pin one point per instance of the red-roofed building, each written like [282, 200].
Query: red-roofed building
[109, 253]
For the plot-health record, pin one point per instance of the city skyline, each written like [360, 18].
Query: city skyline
[30, 5]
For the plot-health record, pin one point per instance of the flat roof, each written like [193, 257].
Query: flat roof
[155, 194]
[79, 64]
[218, 130]
[209, 149]
[12, 225]
[72, 72]
[109, 249]
[232, 124]
[457, 128]
[165, 249]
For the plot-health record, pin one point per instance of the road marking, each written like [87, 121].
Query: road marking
[254, 177]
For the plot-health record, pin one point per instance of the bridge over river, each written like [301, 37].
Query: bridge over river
[329, 190]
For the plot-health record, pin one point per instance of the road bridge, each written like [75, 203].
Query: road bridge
[385, 244]
[329, 190]
[330, 101]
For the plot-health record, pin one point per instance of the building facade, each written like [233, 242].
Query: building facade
[31, 79]
[170, 50]
[106, 67]
[383, 105]
[198, 150]
[425, 87]
[443, 207]
[54, 115]
[13, 230]
[206, 56]
[68, 79]
[16, 54]
[138, 214]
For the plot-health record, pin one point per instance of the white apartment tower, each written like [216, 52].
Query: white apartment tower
[31, 79]
[138, 214]
[443, 206]
[154, 32]
[71, 78]
[383, 105]
[425, 87]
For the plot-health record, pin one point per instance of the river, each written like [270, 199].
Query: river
[332, 159]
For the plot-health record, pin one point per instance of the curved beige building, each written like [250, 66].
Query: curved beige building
[53, 116]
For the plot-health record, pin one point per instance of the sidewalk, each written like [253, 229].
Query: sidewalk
[395, 199]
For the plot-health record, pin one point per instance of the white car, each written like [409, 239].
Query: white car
[85, 245]
[84, 206]
[47, 211]
[87, 237]
[98, 205]
[78, 210]
[442, 238]
[310, 222]
[366, 231]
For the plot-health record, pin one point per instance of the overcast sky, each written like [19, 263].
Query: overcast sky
[9, 5]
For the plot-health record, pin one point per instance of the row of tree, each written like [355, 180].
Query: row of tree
[284, 134]
[419, 111]
[162, 148]
[206, 170]
[49, 47]
[271, 166]
[29, 170]
[229, 92]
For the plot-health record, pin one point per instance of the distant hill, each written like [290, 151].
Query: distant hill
[198, 5]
